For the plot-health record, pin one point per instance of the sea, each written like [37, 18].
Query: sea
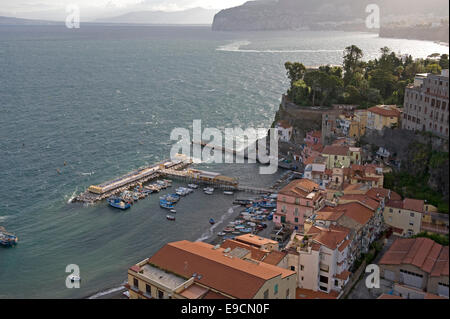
[83, 106]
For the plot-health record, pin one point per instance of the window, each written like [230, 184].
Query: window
[287, 294]
[275, 289]
[148, 289]
[323, 288]
[390, 210]
[324, 279]
[293, 268]
[135, 282]
[160, 294]
[266, 294]
[296, 220]
[336, 283]
[302, 267]
[411, 214]
[296, 211]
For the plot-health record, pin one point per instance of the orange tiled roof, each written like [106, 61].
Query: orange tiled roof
[354, 210]
[363, 199]
[415, 205]
[232, 276]
[423, 253]
[299, 188]
[375, 193]
[335, 150]
[274, 257]
[256, 253]
[331, 238]
[251, 239]
[343, 275]
[327, 215]
[301, 293]
[387, 111]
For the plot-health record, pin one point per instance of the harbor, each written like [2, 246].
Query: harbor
[176, 169]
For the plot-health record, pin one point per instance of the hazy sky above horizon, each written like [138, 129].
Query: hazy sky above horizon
[44, 9]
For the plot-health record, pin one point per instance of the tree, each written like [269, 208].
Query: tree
[433, 68]
[352, 62]
[443, 62]
[295, 71]
[313, 80]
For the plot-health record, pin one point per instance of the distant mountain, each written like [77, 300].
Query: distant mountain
[191, 16]
[318, 14]
[17, 21]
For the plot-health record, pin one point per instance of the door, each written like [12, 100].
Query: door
[411, 279]
[443, 289]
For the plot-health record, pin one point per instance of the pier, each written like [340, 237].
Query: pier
[166, 169]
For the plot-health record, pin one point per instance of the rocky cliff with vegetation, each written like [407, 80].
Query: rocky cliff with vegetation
[347, 15]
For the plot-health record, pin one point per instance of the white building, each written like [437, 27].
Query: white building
[284, 130]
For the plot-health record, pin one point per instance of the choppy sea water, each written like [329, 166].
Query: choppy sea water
[103, 100]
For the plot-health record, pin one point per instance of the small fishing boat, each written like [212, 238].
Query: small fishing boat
[236, 233]
[246, 230]
[208, 193]
[74, 278]
[165, 204]
[170, 217]
[221, 234]
[228, 193]
[212, 221]
[208, 189]
[173, 211]
[193, 186]
[7, 239]
[228, 229]
[118, 203]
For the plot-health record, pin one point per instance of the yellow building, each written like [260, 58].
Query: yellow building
[196, 270]
[341, 156]
[381, 116]
[404, 216]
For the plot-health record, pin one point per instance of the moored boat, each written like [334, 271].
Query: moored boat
[118, 203]
[212, 221]
[170, 217]
[228, 193]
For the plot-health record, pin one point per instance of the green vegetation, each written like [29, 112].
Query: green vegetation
[415, 186]
[440, 239]
[378, 81]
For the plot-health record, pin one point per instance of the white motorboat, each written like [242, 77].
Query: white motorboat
[228, 193]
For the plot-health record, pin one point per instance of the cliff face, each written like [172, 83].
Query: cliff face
[316, 15]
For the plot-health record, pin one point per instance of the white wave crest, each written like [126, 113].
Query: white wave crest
[236, 47]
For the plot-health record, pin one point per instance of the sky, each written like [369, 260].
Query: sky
[91, 9]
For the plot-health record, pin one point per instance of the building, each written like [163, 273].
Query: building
[314, 137]
[369, 174]
[417, 264]
[426, 104]
[284, 130]
[382, 116]
[320, 259]
[196, 270]
[296, 202]
[433, 222]
[258, 242]
[405, 216]
[341, 156]
[315, 170]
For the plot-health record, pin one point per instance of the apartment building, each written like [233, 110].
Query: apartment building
[296, 202]
[426, 104]
[320, 258]
[341, 156]
[382, 116]
[404, 216]
[196, 270]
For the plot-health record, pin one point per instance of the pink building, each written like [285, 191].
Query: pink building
[296, 202]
